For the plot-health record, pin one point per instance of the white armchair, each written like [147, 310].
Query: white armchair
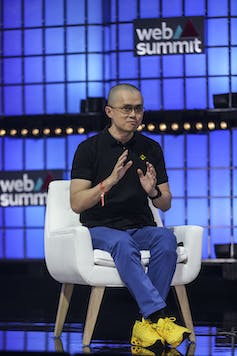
[71, 260]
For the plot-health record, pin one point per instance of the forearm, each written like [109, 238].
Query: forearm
[161, 197]
[86, 197]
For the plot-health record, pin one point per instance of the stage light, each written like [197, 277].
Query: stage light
[13, 132]
[81, 130]
[58, 131]
[46, 131]
[35, 132]
[174, 126]
[151, 127]
[24, 132]
[163, 127]
[199, 126]
[140, 127]
[211, 125]
[69, 130]
[3, 132]
[187, 126]
[223, 125]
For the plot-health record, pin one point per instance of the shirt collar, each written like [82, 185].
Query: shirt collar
[113, 142]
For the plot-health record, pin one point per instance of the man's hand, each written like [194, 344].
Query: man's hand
[148, 180]
[119, 169]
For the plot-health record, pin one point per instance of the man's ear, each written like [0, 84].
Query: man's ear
[108, 111]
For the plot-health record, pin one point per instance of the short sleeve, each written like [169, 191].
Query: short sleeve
[82, 166]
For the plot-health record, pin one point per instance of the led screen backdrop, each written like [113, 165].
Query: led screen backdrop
[56, 53]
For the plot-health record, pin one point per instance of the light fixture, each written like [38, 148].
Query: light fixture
[223, 125]
[24, 132]
[69, 130]
[13, 132]
[151, 127]
[2, 132]
[199, 126]
[211, 125]
[35, 132]
[175, 126]
[163, 127]
[187, 126]
[81, 130]
[58, 131]
[46, 131]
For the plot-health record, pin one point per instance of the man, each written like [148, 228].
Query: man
[113, 174]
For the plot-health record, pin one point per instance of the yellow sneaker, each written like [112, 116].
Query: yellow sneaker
[144, 335]
[172, 333]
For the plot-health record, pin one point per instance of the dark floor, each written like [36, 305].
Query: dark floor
[28, 302]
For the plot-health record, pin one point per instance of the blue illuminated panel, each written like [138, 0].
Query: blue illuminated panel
[173, 66]
[197, 153]
[51, 60]
[33, 41]
[173, 94]
[14, 243]
[174, 151]
[194, 86]
[148, 87]
[176, 215]
[34, 99]
[33, 70]
[55, 91]
[75, 39]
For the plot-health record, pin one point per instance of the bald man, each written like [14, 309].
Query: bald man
[113, 175]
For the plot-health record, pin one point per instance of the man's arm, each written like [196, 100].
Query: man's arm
[83, 196]
[164, 201]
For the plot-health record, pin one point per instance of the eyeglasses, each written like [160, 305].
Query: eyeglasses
[128, 109]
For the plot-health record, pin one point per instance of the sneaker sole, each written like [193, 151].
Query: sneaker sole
[178, 342]
[137, 342]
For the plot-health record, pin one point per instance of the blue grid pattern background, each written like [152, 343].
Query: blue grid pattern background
[56, 53]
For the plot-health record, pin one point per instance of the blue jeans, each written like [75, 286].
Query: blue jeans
[149, 289]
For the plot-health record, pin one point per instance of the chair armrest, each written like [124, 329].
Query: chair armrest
[191, 236]
[69, 253]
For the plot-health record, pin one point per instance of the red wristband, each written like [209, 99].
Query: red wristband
[102, 194]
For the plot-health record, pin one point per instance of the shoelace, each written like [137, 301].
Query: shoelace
[169, 323]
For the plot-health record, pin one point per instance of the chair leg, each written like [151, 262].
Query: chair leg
[92, 313]
[64, 301]
[185, 309]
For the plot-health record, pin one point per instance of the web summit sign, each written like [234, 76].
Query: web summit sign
[176, 35]
[26, 188]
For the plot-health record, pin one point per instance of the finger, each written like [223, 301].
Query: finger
[140, 172]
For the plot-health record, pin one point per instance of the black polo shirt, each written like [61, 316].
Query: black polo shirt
[126, 204]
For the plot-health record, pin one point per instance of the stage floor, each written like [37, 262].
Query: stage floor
[28, 338]
[28, 305]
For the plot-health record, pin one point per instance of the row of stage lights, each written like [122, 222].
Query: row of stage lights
[58, 131]
[162, 127]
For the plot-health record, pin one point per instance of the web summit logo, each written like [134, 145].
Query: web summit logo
[176, 35]
[26, 188]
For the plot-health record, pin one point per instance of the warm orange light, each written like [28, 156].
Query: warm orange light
[13, 132]
[187, 126]
[163, 127]
[81, 130]
[175, 126]
[69, 130]
[151, 127]
[46, 131]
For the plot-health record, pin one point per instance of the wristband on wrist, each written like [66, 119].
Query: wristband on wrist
[158, 195]
[102, 194]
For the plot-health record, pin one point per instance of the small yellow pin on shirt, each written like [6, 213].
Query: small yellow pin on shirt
[143, 157]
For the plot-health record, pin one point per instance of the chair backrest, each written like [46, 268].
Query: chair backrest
[59, 213]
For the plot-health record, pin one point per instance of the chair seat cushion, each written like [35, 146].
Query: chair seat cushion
[103, 258]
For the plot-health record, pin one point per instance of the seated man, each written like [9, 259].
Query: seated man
[113, 174]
